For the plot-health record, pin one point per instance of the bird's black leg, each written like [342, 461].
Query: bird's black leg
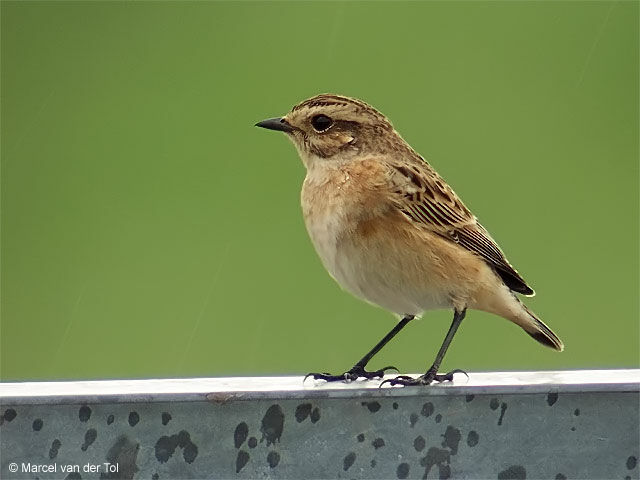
[358, 370]
[432, 373]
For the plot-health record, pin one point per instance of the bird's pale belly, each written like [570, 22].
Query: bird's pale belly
[380, 264]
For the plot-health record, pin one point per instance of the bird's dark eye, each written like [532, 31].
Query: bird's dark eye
[321, 123]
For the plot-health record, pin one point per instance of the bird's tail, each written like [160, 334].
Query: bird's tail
[535, 327]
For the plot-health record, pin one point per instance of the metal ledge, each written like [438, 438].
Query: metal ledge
[569, 424]
[197, 389]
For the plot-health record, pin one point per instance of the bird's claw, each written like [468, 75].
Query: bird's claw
[353, 374]
[426, 379]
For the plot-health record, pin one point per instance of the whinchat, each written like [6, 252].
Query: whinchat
[391, 231]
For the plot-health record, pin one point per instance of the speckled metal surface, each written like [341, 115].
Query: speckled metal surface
[493, 425]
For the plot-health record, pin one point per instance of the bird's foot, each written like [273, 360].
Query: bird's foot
[426, 379]
[356, 372]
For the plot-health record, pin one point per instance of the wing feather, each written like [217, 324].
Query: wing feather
[425, 198]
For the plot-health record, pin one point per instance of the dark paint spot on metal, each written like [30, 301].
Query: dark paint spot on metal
[472, 438]
[315, 415]
[395, 405]
[73, 476]
[53, 451]
[253, 442]
[372, 406]
[413, 418]
[438, 418]
[494, 404]
[573, 429]
[427, 409]
[166, 446]
[560, 477]
[576, 412]
[84, 414]
[241, 460]
[302, 412]
[124, 453]
[348, 461]
[552, 398]
[469, 398]
[360, 437]
[452, 439]
[378, 443]
[632, 462]
[110, 419]
[240, 434]
[419, 443]
[89, 437]
[9, 414]
[272, 425]
[628, 477]
[403, 470]
[134, 418]
[439, 457]
[166, 418]
[503, 408]
[155, 476]
[514, 472]
[190, 452]
[273, 458]
[37, 424]
[445, 471]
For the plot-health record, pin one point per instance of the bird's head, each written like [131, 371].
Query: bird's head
[335, 128]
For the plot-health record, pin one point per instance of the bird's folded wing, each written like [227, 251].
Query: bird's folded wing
[421, 195]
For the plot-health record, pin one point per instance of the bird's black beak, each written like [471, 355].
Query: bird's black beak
[277, 123]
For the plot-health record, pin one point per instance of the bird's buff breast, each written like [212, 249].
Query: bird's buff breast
[367, 248]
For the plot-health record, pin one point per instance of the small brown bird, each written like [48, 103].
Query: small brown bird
[391, 231]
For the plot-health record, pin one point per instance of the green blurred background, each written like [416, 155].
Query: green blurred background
[149, 229]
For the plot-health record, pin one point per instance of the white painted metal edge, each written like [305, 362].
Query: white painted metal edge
[227, 388]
